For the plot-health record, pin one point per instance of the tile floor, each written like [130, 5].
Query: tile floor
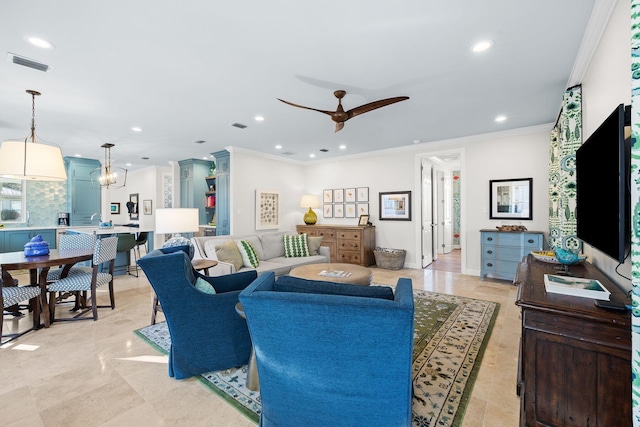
[101, 374]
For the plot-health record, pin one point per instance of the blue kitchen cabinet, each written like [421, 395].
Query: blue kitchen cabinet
[83, 201]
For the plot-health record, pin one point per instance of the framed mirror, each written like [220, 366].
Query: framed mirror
[132, 206]
[511, 198]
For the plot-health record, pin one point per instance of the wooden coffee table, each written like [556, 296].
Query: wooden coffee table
[358, 275]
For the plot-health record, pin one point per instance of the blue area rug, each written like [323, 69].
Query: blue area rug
[451, 334]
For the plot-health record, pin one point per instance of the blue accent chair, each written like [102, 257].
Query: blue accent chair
[207, 334]
[331, 354]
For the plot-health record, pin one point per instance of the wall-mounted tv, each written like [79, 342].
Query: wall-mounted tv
[603, 187]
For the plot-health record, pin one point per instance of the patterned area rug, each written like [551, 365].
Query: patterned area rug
[451, 333]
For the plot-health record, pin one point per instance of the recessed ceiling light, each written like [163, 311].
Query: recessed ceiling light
[128, 164]
[416, 141]
[77, 155]
[342, 147]
[38, 42]
[482, 46]
[136, 129]
[205, 158]
[501, 118]
[259, 118]
[278, 147]
[312, 155]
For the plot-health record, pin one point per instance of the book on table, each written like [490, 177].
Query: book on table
[575, 286]
[334, 273]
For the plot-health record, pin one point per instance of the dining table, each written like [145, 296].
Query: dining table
[39, 266]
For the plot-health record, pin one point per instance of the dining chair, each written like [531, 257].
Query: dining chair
[104, 252]
[73, 241]
[12, 295]
[141, 240]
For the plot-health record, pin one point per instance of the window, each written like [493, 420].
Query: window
[12, 200]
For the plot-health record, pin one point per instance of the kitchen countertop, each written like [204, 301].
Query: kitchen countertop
[111, 230]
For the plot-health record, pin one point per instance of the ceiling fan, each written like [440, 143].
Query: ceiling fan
[340, 116]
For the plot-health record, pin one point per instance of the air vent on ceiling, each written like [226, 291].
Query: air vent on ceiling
[288, 153]
[324, 150]
[200, 141]
[238, 125]
[26, 62]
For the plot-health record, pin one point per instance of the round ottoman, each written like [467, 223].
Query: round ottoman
[357, 275]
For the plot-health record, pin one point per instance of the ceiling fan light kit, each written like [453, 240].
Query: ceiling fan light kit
[340, 116]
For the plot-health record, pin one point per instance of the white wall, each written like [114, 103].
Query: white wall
[517, 154]
[250, 172]
[606, 84]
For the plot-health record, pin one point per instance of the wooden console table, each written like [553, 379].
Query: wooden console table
[575, 358]
[348, 244]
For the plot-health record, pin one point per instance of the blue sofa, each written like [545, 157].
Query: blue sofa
[207, 334]
[331, 354]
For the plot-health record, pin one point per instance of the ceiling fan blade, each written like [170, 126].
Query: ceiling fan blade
[374, 105]
[306, 108]
[339, 126]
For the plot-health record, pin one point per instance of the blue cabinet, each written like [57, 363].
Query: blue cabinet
[223, 217]
[83, 200]
[193, 186]
[14, 240]
[502, 251]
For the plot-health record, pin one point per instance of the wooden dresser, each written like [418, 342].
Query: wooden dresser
[350, 244]
[575, 358]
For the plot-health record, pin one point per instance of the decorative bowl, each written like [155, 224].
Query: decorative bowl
[567, 257]
[545, 256]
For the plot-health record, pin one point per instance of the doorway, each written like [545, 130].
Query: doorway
[441, 209]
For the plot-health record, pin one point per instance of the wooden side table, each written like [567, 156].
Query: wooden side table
[199, 265]
[204, 265]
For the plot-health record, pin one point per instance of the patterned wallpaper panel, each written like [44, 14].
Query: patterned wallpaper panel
[44, 200]
[456, 208]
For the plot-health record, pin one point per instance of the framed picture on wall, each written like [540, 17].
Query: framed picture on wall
[267, 209]
[338, 195]
[395, 206]
[363, 194]
[115, 208]
[362, 208]
[349, 210]
[327, 196]
[511, 198]
[327, 210]
[146, 207]
[338, 210]
[349, 195]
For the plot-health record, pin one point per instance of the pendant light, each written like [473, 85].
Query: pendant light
[29, 160]
[108, 176]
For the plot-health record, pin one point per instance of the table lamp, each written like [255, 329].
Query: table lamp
[310, 201]
[175, 221]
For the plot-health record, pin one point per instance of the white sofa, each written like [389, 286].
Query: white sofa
[270, 249]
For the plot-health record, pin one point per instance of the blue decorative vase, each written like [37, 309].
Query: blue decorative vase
[36, 247]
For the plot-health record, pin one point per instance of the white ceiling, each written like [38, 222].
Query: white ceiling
[185, 70]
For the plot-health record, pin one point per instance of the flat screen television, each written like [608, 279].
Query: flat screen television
[603, 187]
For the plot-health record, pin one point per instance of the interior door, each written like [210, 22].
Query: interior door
[447, 212]
[428, 224]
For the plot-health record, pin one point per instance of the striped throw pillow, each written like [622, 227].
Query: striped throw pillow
[249, 254]
[296, 246]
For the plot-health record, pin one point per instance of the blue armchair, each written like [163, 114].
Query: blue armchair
[331, 354]
[207, 334]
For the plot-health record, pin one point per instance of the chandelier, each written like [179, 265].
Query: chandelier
[28, 160]
[108, 176]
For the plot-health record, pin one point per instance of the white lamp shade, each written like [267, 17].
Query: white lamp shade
[177, 220]
[309, 201]
[31, 161]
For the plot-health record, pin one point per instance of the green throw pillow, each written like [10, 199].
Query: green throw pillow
[296, 246]
[249, 254]
[204, 286]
